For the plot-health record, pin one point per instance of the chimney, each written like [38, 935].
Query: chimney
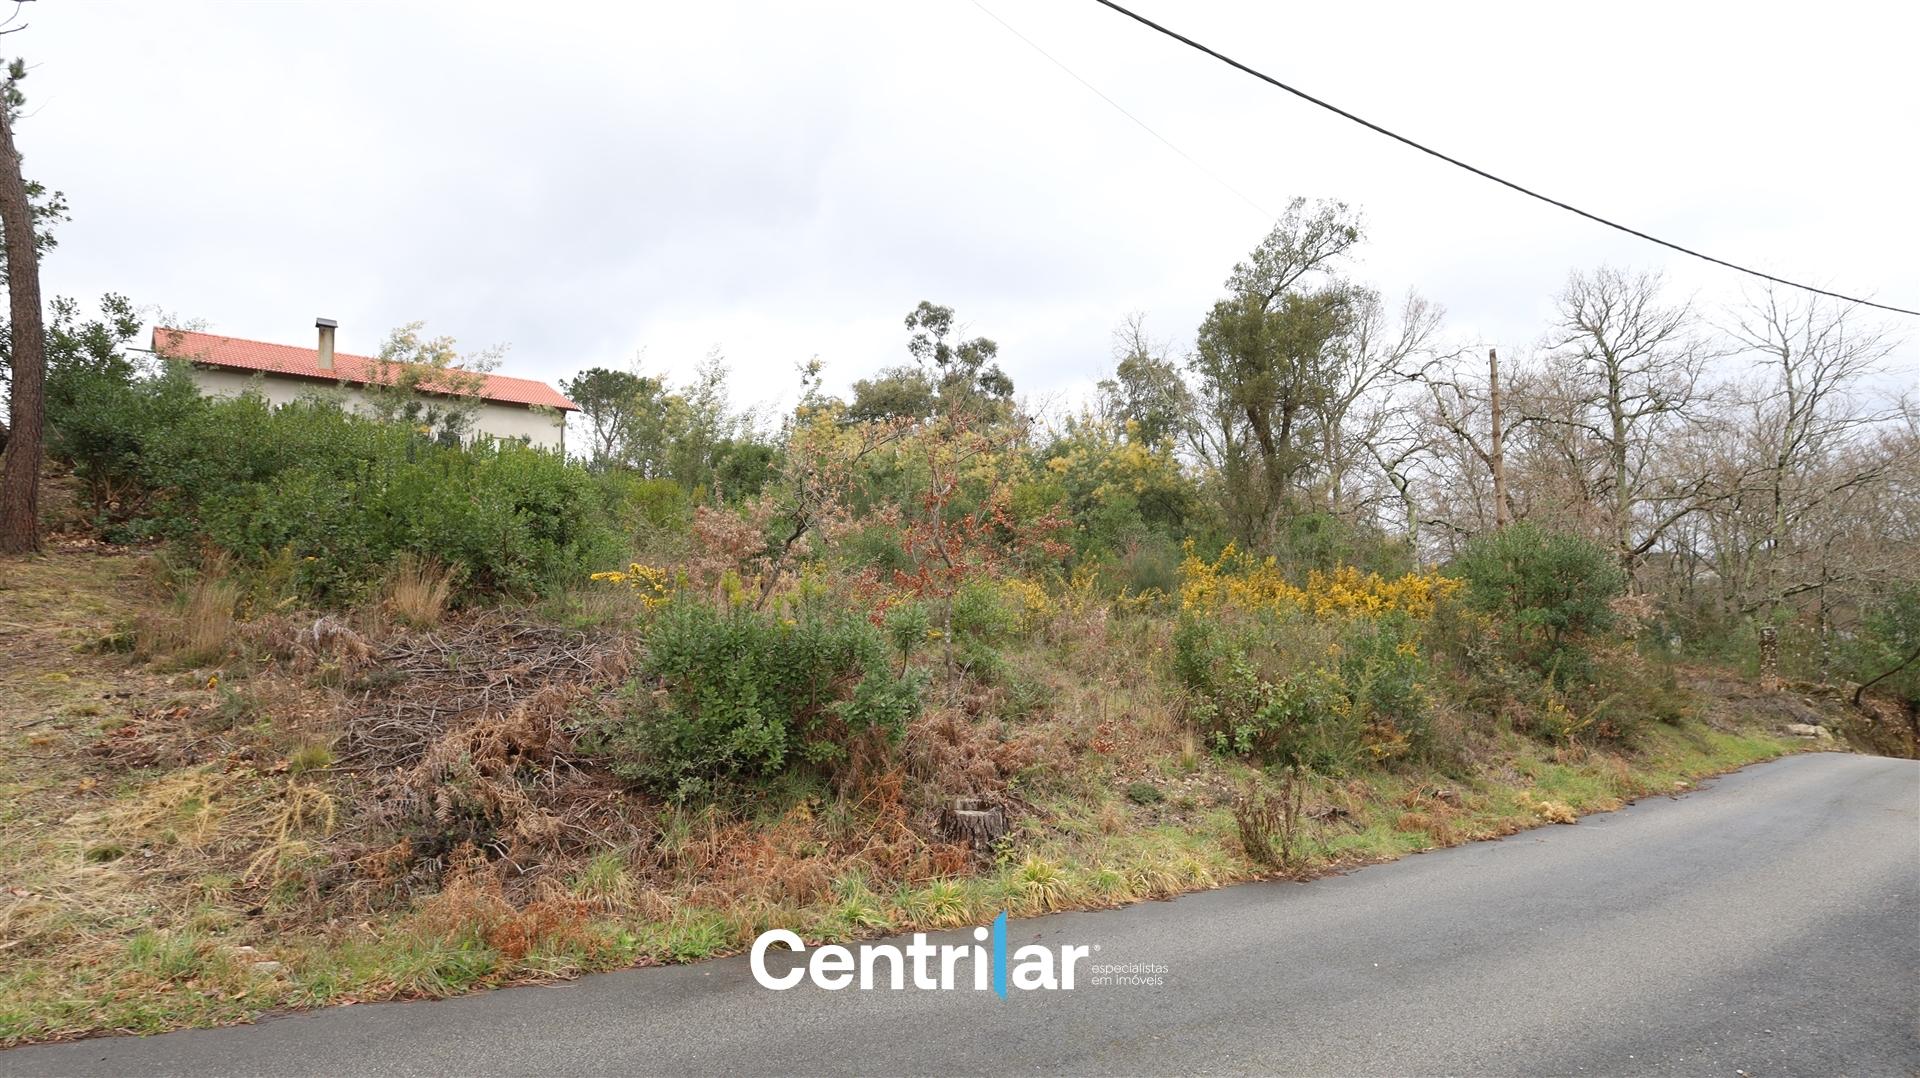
[326, 326]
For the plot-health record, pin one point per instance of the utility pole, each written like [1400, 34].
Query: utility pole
[1496, 454]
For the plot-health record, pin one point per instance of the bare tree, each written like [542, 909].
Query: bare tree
[1459, 412]
[1801, 435]
[1496, 442]
[1360, 400]
[1402, 447]
[1626, 369]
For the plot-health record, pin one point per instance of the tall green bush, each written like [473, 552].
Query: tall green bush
[341, 495]
[1544, 593]
[736, 694]
[107, 426]
[515, 520]
[641, 507]
[1331, 695]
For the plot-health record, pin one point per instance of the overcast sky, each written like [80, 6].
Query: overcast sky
[785, 180]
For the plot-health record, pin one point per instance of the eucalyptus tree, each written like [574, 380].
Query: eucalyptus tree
[1267, 358]
[1146, 396]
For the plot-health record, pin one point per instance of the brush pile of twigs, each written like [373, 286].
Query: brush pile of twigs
[477, 669]
[464, 738]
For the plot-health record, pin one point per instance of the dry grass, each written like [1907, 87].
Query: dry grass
[200, 628]
[1270, 820]
[416, 594]
[472, 904]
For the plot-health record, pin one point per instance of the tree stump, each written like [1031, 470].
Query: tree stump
[973, 821]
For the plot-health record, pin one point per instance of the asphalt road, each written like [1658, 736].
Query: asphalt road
[1768, 924]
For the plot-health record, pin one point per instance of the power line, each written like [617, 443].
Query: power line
[1168, 143]
[1483, 173]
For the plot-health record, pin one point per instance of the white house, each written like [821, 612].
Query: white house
[229, 366]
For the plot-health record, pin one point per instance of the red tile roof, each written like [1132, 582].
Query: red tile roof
[237, 354]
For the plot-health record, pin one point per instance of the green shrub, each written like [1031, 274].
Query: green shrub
[1384, 675]
[877, 548]
[1543, 593]
[1148, 566]
[1201, 654]
[908, 627]
[742, 468]
[232, 443]
[337, 496]
[735, 694]
[1325, 542]
[1299, 721]
[517, 520]
[983, 620]
[1332, 694]
[1022, 696]
[982, 613]
[106, 427]
[1267, 688]
[638, 506]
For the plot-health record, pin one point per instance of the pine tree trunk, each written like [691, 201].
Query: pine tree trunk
[20, 475]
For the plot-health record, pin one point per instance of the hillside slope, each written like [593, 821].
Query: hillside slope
[206, 818]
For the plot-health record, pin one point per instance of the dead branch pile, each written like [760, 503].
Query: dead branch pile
[478, 669]
[327, 644]
[469, 743]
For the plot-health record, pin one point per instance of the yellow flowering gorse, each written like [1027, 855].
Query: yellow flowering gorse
[1030, 601]
[1238, 580]
[653, 585]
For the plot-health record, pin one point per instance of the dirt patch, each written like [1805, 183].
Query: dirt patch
[1877, 726]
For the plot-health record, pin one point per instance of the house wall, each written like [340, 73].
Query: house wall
[542, 430]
